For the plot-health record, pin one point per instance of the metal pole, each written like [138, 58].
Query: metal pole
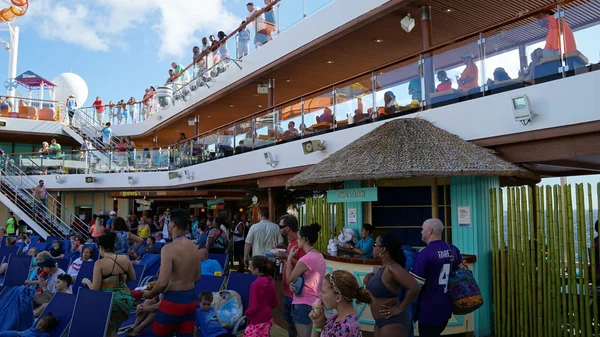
[13, 52]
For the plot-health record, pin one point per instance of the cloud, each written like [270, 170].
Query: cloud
[100, 24]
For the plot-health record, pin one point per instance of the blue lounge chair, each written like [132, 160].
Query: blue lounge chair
[91, 320]
[42, 246]
[221, 258]
[152, 263]
[86, 271]
[73, 255]
[4, 291]
[17, 271]
[139, 271]
[5, 252]
[34, 239]
[61, 306]
[50, 240]
[63, 264]
[240, 283]
[66, 245]
[209, 283]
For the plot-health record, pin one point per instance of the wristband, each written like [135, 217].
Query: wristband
[317, 329]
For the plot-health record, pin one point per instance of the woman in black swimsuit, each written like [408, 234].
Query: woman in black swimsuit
[390, 314]
[110, 275]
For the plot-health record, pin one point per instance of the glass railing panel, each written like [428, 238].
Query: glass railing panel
[455, 73]
[397, 90]
[245, 138]
[289, 13]
[580, 30]
[197, 155]
[315, 5]
[266, 129]
[318, 113]
[505, 62]
[289, 119]
[211, 146]
[227, 140]
[353, 99]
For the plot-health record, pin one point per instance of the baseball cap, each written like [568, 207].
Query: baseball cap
[112, 213]
[48, 262]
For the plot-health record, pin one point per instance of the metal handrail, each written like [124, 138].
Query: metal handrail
[24, 178]
[21, 198]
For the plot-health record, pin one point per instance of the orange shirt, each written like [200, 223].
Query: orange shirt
[553, 37]
[472, 72]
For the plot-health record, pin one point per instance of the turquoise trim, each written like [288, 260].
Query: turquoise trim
[354, 184]
[475, 193]
[359, 275]
[459, 321]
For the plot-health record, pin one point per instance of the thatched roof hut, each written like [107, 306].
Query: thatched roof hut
[408, 148]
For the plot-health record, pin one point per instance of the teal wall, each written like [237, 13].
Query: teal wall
[357, 205]
[475, 192]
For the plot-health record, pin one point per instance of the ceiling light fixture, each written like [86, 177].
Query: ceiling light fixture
[378, 40]
[448, 10]
[329, 61]
[231, 106]
[288, 80]
[260, 106]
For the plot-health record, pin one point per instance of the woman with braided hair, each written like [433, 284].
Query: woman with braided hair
[340, 289]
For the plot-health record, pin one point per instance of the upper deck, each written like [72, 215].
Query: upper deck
[357, 104]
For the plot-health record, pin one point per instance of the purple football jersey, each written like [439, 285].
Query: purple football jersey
[432, 270]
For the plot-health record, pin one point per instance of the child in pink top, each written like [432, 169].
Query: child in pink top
[263, 298]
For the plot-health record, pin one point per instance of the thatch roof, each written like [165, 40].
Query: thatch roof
[408, 148]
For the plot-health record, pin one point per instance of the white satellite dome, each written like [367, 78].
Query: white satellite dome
[71, 84]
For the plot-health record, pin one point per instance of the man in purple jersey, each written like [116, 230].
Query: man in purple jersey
[432, 269]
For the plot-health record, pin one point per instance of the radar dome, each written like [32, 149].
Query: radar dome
[71, 84]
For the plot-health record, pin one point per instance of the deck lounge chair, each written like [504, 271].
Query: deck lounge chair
[61, 306]
[91, 320]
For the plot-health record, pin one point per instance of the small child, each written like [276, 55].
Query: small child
[41, 329]
[263, 298]
[207, 324]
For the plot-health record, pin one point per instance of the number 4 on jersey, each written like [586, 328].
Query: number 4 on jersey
[444, 275]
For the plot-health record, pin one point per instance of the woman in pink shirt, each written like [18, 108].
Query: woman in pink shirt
[263, 298]
[311, 269]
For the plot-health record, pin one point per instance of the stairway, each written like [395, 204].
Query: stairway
[86, 126]
[16, 194]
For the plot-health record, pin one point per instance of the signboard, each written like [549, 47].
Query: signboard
[464, 216]
[200, 205]
[215, 202]
[138, 194]
[216, 206]
[352, 216]
[143, 208]
[352, 195]
[144, 202]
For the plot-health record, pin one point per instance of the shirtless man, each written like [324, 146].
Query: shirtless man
[179, 272]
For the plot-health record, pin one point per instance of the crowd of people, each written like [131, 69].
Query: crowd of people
[398, 292]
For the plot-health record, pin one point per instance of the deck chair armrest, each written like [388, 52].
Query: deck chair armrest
[145, 281]
[238, 324]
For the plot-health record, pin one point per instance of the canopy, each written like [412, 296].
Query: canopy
[407, 148]
[32, 81]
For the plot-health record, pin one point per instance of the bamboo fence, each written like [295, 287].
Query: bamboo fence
[543, 261]
[329, 216]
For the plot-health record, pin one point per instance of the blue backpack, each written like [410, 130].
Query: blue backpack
[411, 254]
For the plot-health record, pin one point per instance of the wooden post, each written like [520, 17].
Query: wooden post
[435, 207]
[271, 205]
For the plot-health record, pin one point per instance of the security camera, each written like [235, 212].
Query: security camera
[408, 23]
[269, 159]
[313, 145]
